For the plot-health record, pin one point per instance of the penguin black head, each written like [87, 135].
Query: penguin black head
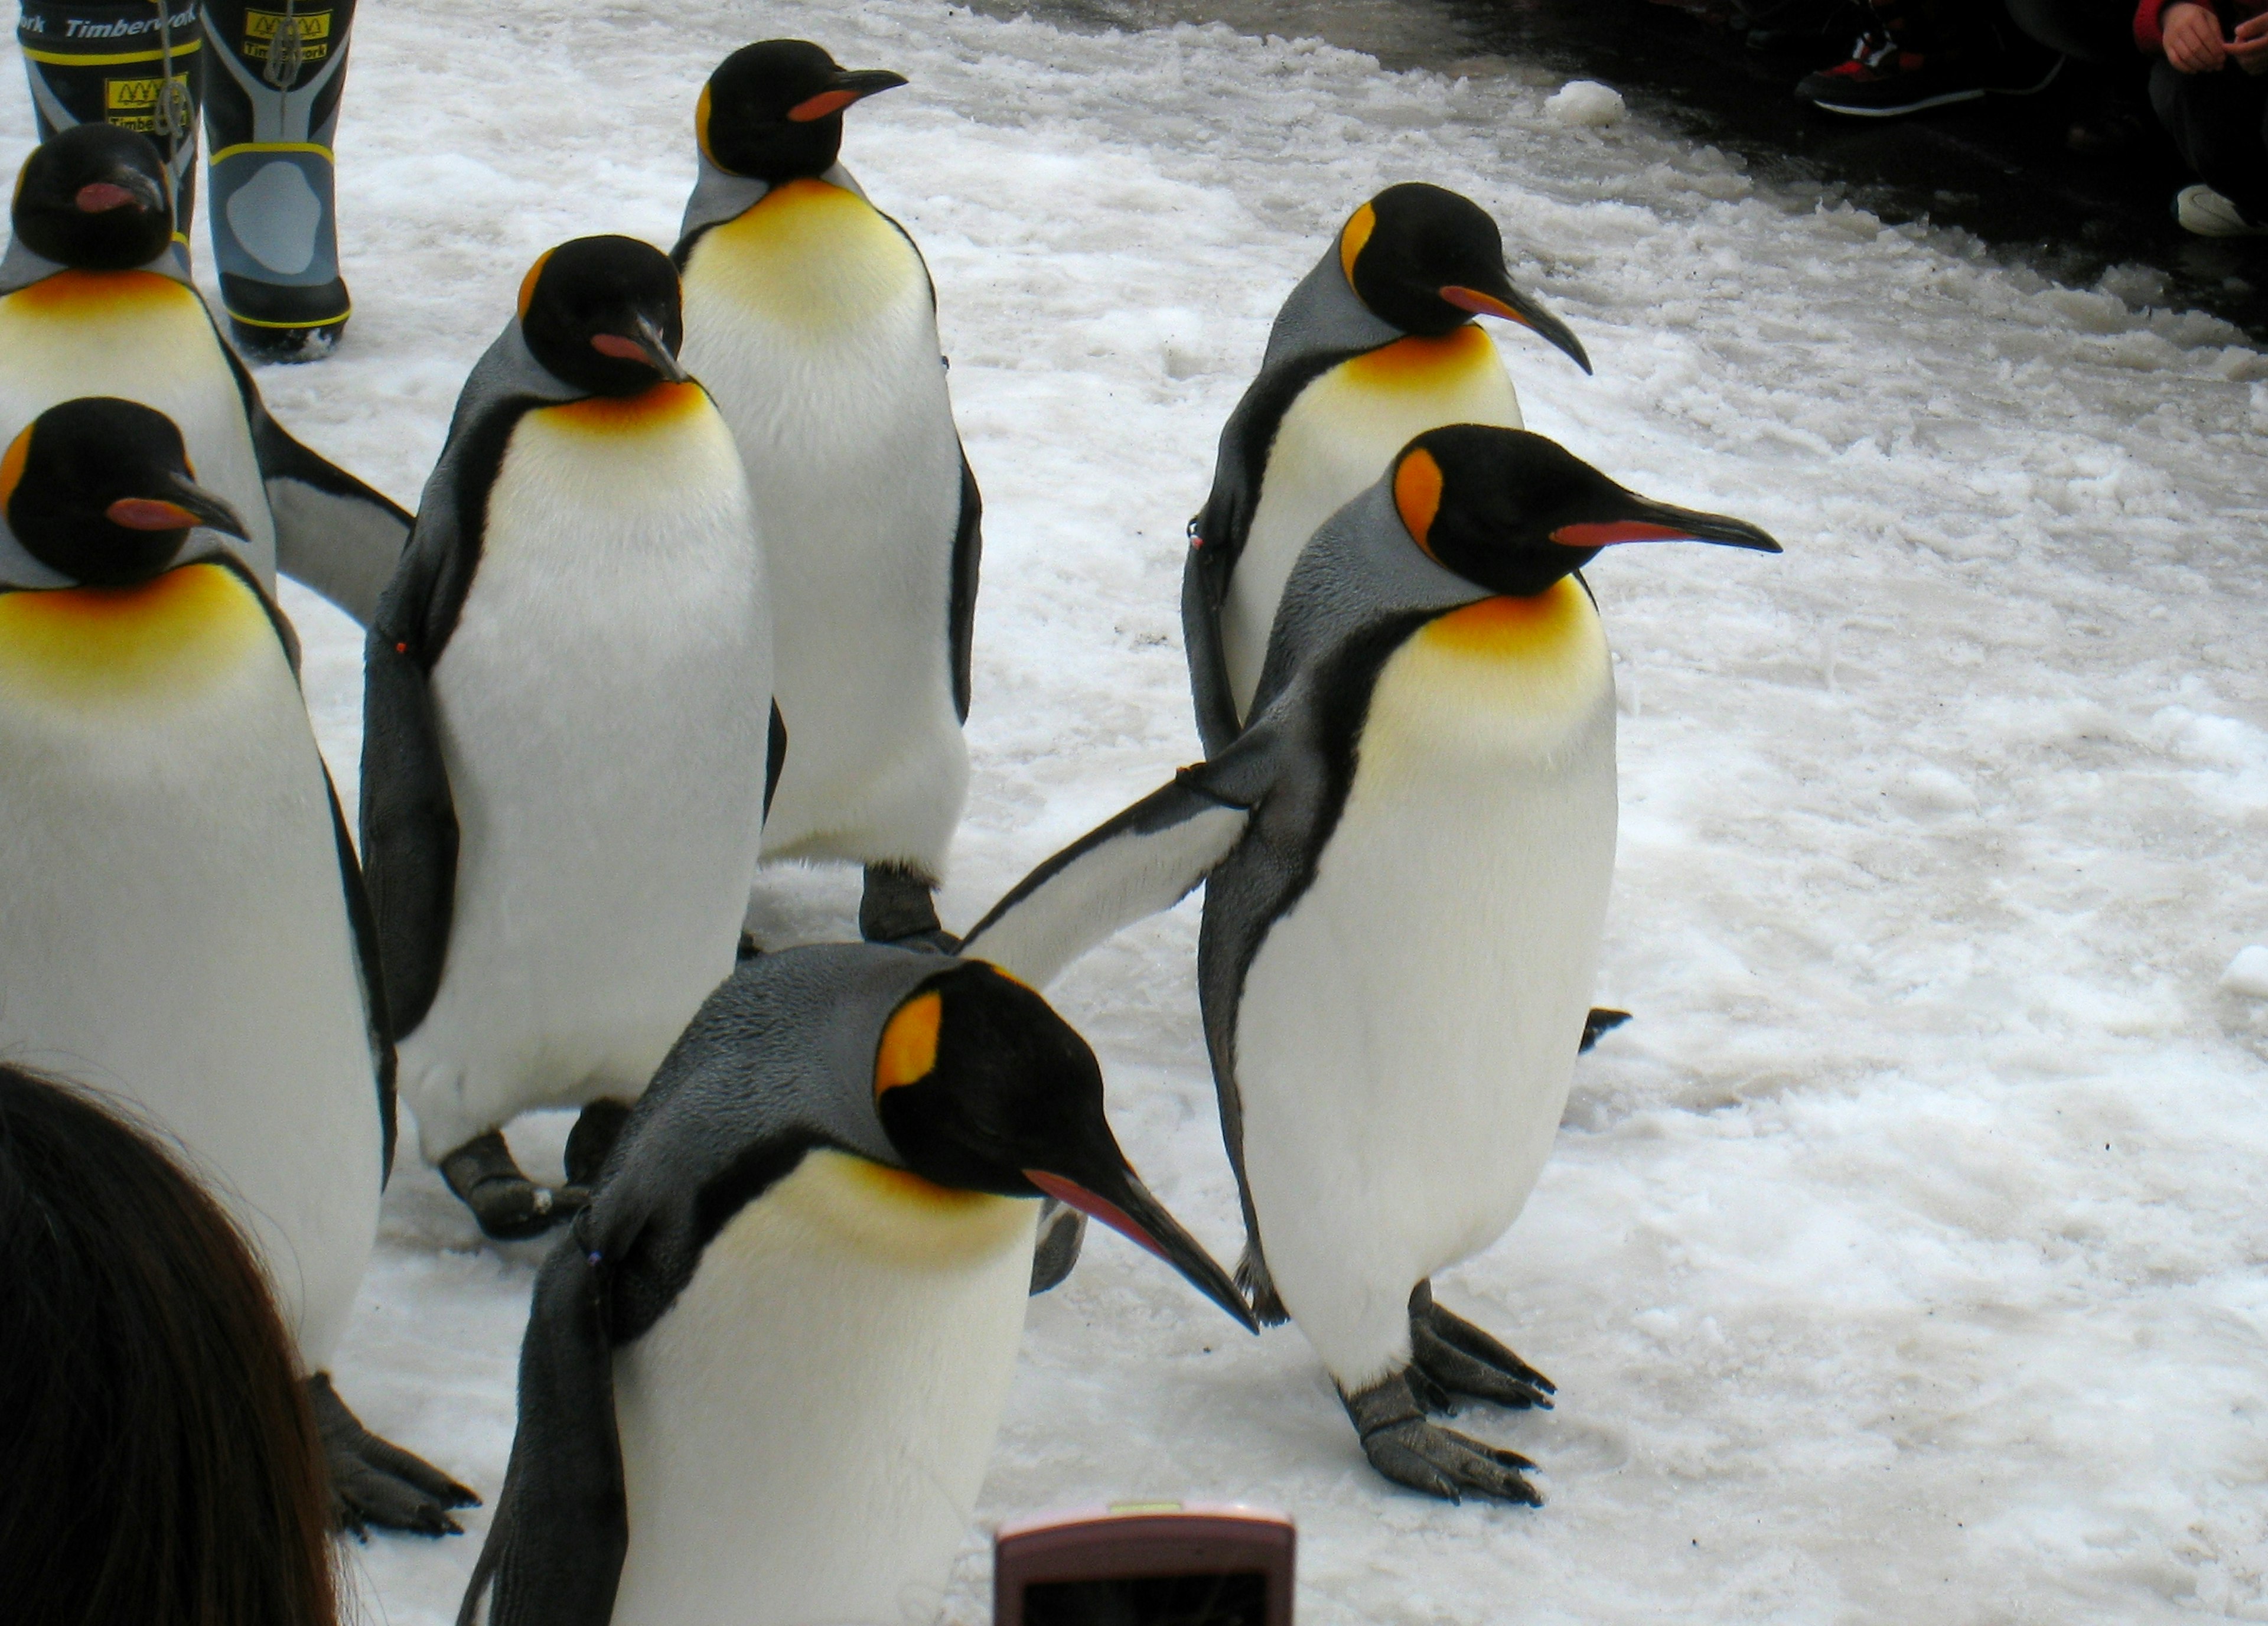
[773, 111]
[95, 198]
[100, 489]
[1429, 260]
[604, 314]
[1514, 512]
[980, 1087]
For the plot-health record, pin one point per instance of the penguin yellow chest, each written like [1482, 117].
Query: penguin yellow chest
[815, 260]
[1333, 443]
[1409, 1026]
[143, 337]
[173, 919]
[804, 1433]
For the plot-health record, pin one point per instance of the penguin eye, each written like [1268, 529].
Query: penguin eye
[908, 1053]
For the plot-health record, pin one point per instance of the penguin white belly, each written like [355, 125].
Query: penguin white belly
[143, 337]
[809, 318]
[603, 726]
[173, 918]
[1334, 441]
[805, 1431]
[1408, 1029]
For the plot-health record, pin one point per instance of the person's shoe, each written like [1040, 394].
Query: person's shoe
[2205, 212]
[1882, 79]
[272, 88]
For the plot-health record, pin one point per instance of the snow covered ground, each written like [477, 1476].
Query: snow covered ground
[1905, 1260]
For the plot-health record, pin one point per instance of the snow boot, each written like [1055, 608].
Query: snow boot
[129, 62]
[272, 90]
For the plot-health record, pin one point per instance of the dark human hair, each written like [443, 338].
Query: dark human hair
[162, 1463]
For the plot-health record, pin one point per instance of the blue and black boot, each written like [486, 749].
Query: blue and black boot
[271, 107]
[135, 63]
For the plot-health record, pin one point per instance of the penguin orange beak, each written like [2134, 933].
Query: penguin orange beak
[1514, 306]
[1132, 1213]
[1659, 522]
[848, 87]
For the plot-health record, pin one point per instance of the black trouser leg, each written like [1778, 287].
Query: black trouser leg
[272, 96]
[2091, 31]
[2217, 120]
[127, 63]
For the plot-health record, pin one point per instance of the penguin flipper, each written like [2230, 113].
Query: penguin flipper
[333, 533]
[553, 1554]
[1204, 583]
[967, 555]
[1145, 859]
[409, 831]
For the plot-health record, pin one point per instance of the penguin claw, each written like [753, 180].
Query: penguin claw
[1454, 1355]
[1409, 1450]
[376, 1482]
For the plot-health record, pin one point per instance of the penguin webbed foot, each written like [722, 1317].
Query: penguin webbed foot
[1259, 1289]
[597, 1128]
[899, 906]
[1063, 1230]
[376, 1482]
[1597, 1025]
[1400, 1443]
[1450, 1355]
[510, 1207]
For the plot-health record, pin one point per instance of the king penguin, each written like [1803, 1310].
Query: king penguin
[182, 922]
[1406, 860]
[1376, 344]
[95, 298]
[567, 730]
[764, 1369]
[811, 317]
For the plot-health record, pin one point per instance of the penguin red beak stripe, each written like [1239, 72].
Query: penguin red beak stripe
[648, 346]
[848, 88]
[148, 513]
[1512, 307]
[99, 197]
[1613, 531]
[1155, 1230]
[1665, 524]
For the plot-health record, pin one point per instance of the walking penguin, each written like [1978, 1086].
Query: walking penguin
[811, 317]
[182, 922]
[1406, 858]
[764, 1369]
[1376, 344]
[566, 740]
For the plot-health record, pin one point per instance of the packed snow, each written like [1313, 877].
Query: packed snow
[1905, 1259]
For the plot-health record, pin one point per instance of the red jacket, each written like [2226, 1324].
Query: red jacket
[2231, 12]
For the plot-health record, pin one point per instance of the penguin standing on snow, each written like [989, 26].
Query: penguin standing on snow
[566, 734]
[763, 1371]
[94, 299]
[181, 921]
[1377, 344]
[811, 317]
[1407, 857]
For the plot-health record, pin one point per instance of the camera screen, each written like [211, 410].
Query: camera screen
[1236, 1599]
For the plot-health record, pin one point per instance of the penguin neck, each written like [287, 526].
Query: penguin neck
[22, 267]
[1502, 678]
[162, 641]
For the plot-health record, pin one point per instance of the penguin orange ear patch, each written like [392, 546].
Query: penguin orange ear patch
[1352, 236]
[700, 122]
[1417, 493]
[909, 1049]
[535, 274]
[11, 466]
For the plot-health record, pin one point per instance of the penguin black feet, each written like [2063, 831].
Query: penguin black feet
[1598, 1023]
[374, 1482]
[591, 1140]
[898, 907]
[1409, 1450]
[510, 1206]
[1062, 1229]
[1448, 1356]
